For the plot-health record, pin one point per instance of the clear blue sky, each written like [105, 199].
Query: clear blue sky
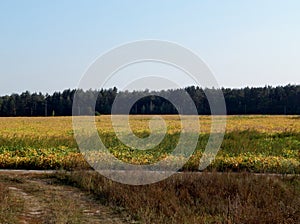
[47, 45]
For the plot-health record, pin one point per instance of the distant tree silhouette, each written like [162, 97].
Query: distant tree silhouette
[259, 100]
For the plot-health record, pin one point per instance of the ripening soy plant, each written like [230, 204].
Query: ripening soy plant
[251, 143]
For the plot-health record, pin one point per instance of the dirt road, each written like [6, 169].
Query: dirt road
[43, 199]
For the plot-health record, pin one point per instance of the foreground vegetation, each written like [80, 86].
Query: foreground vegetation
[10, 205]
[183, 198]
[200, 197]
[251, 143]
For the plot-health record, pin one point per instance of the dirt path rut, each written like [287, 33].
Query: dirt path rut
[45, 200]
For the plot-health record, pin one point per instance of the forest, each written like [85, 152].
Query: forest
[249, 100]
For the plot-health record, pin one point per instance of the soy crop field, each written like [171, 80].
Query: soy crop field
[251, 143]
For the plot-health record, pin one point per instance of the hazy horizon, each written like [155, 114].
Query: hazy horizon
[130, 90]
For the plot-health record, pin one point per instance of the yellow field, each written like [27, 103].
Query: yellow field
[62, 126]
[251, 143]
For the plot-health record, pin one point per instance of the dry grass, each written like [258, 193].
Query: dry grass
[10, 205]
[201, 198]
[182, 198]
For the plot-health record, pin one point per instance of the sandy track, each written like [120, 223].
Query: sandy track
[48, 201]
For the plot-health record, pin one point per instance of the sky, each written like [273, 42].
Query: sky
[47, 46]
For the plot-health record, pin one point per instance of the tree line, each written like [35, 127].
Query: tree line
[254, 100]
